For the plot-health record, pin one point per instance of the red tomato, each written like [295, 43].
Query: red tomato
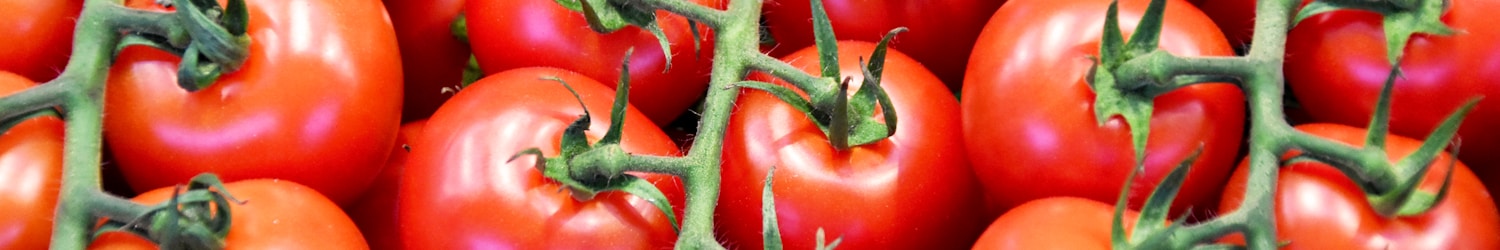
[1029, 119]
[375, 213]
[431, 57]
[459, 192]
[864, 194]
[515, 34]
[277, 214]
[1317, 207]
[316, 102]
[1055, 223]
[30, 174]
[1235, 17]
[40, 36]
[1336, 64]
[941, 35]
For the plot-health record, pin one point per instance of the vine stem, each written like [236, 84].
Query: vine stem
[1265, 91]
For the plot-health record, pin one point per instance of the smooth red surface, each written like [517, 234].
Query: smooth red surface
[277, 214]
[940, 37]
[317, 102]
[1318, 207]
[431, 57]
[1336, 65]
[910, 191]
[30, 174]
[39, 36]
[1063, 223]
[1028, 113]
[515, 34]
[459, 192]
[375, 213]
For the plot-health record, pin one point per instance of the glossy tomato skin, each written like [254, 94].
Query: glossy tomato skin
[515, 34]
[1055, 223]
[870, 195]
[940, 37]
[431, 57]
[41, 35]
[277, 214]
[1336, 65]
[317, 102]
[375, 213]
[459, 192]
[1317, 207]
[30, 174]
[1029, 119]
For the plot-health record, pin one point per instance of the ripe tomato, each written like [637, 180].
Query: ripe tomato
[1317, 207]
[375, 213]
[431, 57]
[41, 37]
[1055, 223]
[1336, 64]
[866, 194]
[316, 102]
[1029, 118]
[277, 214]
[1236, 18]
[459, 191]
[941, 35]
[30, 174]
[515, 34]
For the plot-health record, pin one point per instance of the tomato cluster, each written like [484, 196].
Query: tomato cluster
[308, 134]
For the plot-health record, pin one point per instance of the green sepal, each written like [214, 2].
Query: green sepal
[1380, 121]
[617, 110]
[460, 27]
[866, 129]
[1221, 246]
[1404, 199]
[159, 43]
[472, 72]
[643, 189]
[840, 128]
[1400, 26]
[828, 49]
[194, 74]
[218, 38]
[697, 45]
[872, 89]
[830, 245]
[1154, 212]
[541, 165]
[1117, 222]
[574, 141]
[769, 228]
[1148, 30]
[1134, 106]
[1421, 202]
[1312, 9]
[1112, 43]
[786, 95]
[606, 17]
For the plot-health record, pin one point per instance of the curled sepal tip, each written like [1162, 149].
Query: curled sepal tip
[195, 217]
[827, 43]
[769, 228]
[1151, 225]
[606, 17]
[1404, 199]
[617, 110]
[829, 245]
[574, 141]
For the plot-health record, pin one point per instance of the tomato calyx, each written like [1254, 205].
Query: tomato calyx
[1113, 98]
[196, 217]
[1152, 231]
[210, 39]
[587, 170]
[1402, 19]
[847, 123]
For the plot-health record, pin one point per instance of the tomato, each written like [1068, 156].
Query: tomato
[30, 174]
[515, 34]
[431, 57]
[941, 35]
[41, 37]
[1235, 17]
[459, 191]
[316, 102]
[277, 214]
[375, 213]
[1317, 207]
[1055, 223]
[864, 194]
[1336, 64]
[1028, 116]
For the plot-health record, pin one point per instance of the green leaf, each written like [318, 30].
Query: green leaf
[1148, 31]
[1154, 212]
[769, 227]
[1135, 107]
[1380, 121]
[622, 95]
[1400, 26]
[643, 189]
[828, 49]
[574, 141]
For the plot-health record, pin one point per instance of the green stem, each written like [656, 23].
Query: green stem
[1368, 166]
[708, 16]
[1264, 90]
[148, 22]
[811, 85]
[83, 105]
